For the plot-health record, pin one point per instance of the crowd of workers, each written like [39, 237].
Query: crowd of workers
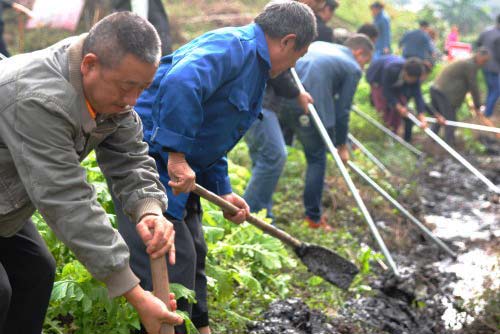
[191, 107]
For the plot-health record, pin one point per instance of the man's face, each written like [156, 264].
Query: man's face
[111, 90]
[316, 5]
[482, 60]
[375, 11]
[326, 14]
[284, 57]
[362, 57]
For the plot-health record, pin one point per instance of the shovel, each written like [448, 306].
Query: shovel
[319, 260]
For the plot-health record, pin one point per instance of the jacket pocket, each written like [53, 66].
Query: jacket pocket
[12, 193]
[239, 99]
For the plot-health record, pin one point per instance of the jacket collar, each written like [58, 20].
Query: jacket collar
[262, 48]
[75, 57]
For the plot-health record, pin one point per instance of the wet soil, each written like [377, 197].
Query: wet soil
[328, 265]
[432, 293]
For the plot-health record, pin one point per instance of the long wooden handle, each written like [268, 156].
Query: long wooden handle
[259, 223]
[161, 287]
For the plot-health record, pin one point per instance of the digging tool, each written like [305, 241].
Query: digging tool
[161, 287]
[328, 142]
[466, 125]
[369, 154]
[456, 155]
[319, 260]
[388, 132]
[401, 209]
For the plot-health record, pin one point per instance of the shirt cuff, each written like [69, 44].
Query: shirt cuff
[147, 206]
[172, 140]
[120, 282]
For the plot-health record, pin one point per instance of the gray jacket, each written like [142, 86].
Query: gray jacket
[46, 130]
[487, 39]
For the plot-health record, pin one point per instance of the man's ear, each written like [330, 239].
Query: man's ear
[89, 62]
[288, 42]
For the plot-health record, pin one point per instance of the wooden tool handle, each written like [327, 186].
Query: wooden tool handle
[161, 287]
[259, 223]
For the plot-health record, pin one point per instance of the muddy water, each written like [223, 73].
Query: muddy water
[427, 298]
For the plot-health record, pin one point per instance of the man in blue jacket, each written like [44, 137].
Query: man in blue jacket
[383, 23]
[330, 73]
[394, 81]
[418, 43]
[203, 99]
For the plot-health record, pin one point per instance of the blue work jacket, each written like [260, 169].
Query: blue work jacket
[203, 98]
[417, 43]
[331, 75]
[386, 71]
[383, 24]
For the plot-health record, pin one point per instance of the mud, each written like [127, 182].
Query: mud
[328, 265]
[432, 293]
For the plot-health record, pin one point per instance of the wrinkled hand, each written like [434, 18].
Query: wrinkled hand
[158, 235]
[182, 177]
[441, 120]
[343, 152]
[239, 202]
[303, 100]
[152, 311]
[423, 121]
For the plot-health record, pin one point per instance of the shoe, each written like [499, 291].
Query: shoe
[322, 224]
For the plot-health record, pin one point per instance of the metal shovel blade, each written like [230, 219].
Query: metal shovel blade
[328, 265]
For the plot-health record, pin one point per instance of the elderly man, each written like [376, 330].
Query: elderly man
[331, 73]
[452, 84]
[58, 105]
[202, 101]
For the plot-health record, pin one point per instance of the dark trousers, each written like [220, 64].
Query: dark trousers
[443, 106]
[27, 271]
[191, 251]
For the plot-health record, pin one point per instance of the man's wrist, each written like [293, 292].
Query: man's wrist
[135, 296]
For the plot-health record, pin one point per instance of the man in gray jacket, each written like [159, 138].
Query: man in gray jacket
[58, 105]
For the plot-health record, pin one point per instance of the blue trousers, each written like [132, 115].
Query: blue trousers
[493, 83]
[268, 152]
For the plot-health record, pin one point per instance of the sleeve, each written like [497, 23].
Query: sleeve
[387, 33]
[419, 99]
[216, 178]
[344, 106]
[284, 85]
[49, 168]
[473, 86]
[192, 80]
[389, 76]
[123, 157]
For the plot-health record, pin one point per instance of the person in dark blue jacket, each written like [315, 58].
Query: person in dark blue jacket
[394, 81]
[383, 23]
[330, 73]
[418, 43]
[203, 99]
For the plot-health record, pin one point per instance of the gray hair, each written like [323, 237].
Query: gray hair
[119, 34]
[281, 18]
[360, 41]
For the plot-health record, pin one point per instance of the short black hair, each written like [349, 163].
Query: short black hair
[332, 4]
[423, 23]
[377, 4]
[414, 67]
[369, 30]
